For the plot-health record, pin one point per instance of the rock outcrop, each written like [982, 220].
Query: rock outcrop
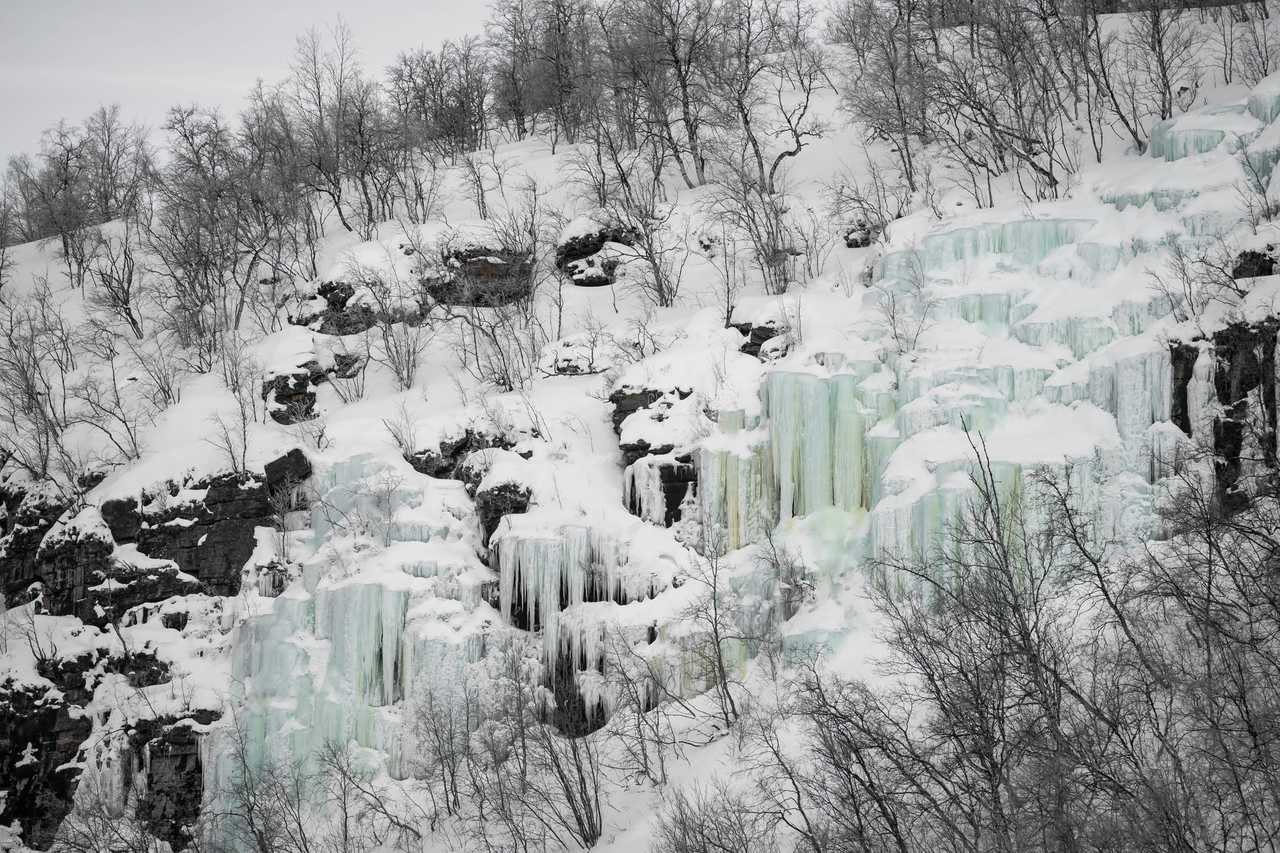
[445, 460]
[28, 511]
[41, 733]
[206, 526]
[582, 255]
[290, 395]
[481, 276]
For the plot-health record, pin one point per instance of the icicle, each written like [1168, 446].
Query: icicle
[365, 625]
[554, 570]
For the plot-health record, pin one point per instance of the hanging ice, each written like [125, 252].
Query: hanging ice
[1202, 131]
[1264, 99]
[1028, 241]
[548, 563]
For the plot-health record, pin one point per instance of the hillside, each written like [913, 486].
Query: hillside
[921, 500]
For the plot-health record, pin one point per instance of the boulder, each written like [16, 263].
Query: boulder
[1252, 264]
[481, 276]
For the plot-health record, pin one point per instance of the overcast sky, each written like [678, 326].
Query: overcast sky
[62, 58]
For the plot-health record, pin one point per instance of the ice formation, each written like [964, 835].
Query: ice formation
[1202, 131]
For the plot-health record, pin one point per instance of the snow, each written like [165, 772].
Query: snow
[1044, 346]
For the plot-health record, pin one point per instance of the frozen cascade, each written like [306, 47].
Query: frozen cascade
[1029, 241]
[642, 487]
[1203, 130]
[1014, 383]
[546, 566]
[1134, 384]
[1170, 143]
[955, 404]
[648, 497]
[735, 479]
[344, 654]
[1264, 101]
[1082, 335]
[997, 310]
[364, 623]
[1162, 199]
[914, 522]
[1202, 396]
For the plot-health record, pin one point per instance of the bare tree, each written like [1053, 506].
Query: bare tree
[712, 820]
[907, 305]
[116, 278]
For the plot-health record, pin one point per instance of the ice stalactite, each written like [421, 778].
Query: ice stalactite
[996, 310]
[364, 623]
[817, 449]
[958, 404]
[735, 474]
[800, 436]
[1015, 383]
[546, 566]
[1082, 335]
[1203, 130]
[817, 426]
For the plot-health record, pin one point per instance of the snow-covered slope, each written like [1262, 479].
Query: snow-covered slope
[446, 542]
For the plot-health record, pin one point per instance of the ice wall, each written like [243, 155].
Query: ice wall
[1027, 241]
[388, 610]
[548, 564]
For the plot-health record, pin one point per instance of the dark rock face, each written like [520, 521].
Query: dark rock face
[29, 512]
[628, 400]
[483, 277]
[288, 470]
[169, 748]
[43, 732]
[131, 586]
[573, 715]
[338, 316]
[72, 561]
[289, 396]
[1251, 264]
[40, 735]
[580, 260]
[1246, 360]
[1183, 357]
[676, 474]
[633, 453]
[211, 537]
[1244, 379]
[446, 460]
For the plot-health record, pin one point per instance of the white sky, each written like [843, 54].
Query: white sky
[63, 58]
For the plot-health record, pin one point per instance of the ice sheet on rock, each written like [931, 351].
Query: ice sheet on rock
[385, 498]
[1027, 241]
[1264, 99]
[1203, 131]
[1131, 380]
